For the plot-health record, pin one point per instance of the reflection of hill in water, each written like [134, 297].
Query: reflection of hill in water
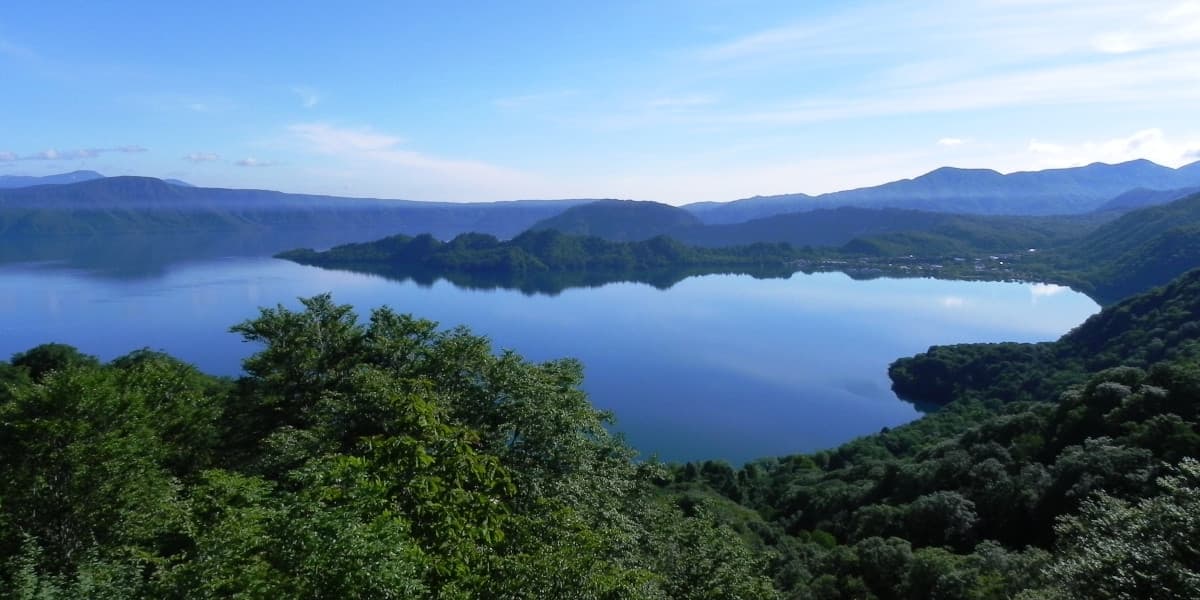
[552, 284]
[153, 255]
[133, 257]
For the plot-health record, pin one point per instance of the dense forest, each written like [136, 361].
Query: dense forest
[386, 459]
[392, 458]
[389, 458]
[539, 251]
[1062, 470]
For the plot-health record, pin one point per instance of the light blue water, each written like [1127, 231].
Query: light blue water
[718, 366]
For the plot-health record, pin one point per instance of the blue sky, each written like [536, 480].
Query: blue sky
[669, 100]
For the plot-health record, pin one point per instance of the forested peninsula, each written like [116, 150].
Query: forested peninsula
[546, 261]
[1108, 258]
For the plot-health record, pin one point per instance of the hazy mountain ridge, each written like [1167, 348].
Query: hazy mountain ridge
[20, 181]
[975, 191]
[825, 227]
[1143, 197]
[148, 205]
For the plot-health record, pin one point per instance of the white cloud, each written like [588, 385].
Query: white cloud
[408, 173]
[7, 156]
[1152, 144]
[535, 100]
[953, 302]
[1045, 290]
[950, 141]
[910, 57]
[84, 153]
[327, 139]
[253, 162]
[1161, 27]
[201, 157]
[309, 97]
[682, 101]
[10, 49]
[1037, 147]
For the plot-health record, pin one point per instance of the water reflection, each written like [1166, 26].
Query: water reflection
[718, 366]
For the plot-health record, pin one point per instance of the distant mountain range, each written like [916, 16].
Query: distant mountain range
[85, 202]
[145, 205]
[617, 220]
[20, 181]
[975, 191]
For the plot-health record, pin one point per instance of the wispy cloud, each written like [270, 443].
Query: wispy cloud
[1152, 144]
[1039, 147]
[534, 100]
[688, 101]
[250, 161]
[202, 157]
[16, 51]
[950, 142]
[78, 154]
[182, 102]
[309, 97]
[908, 57]
[367, 144]
[397, 169]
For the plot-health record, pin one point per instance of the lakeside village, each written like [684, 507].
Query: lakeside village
[991, 267]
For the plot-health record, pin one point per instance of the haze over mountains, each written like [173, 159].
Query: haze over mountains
[20, 181]
[976, 191]
[146, 205]
[85, 202]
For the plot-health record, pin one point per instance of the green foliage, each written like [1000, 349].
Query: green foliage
[621, 220]
[537, 251]
[1145, 549]
[41, 360]
[1162, 325]
[387, 459]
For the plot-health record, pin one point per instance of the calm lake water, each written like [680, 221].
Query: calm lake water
[717, 366]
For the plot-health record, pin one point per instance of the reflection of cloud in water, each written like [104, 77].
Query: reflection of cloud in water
[53, 304]
[866, 389]
[953, 301]
[1045, 290]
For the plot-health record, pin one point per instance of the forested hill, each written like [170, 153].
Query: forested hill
[1090, 491]
[141, 205]
[1162, 324]
[1141, 249]
[625, 221]
[532, 251]
[621, 220]
[946, 233]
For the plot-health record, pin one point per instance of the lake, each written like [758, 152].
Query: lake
[716, 366]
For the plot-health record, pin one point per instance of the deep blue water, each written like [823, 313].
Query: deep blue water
[718, 366]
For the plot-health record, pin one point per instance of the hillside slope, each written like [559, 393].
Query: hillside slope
[620, 220]
[1162, 324]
